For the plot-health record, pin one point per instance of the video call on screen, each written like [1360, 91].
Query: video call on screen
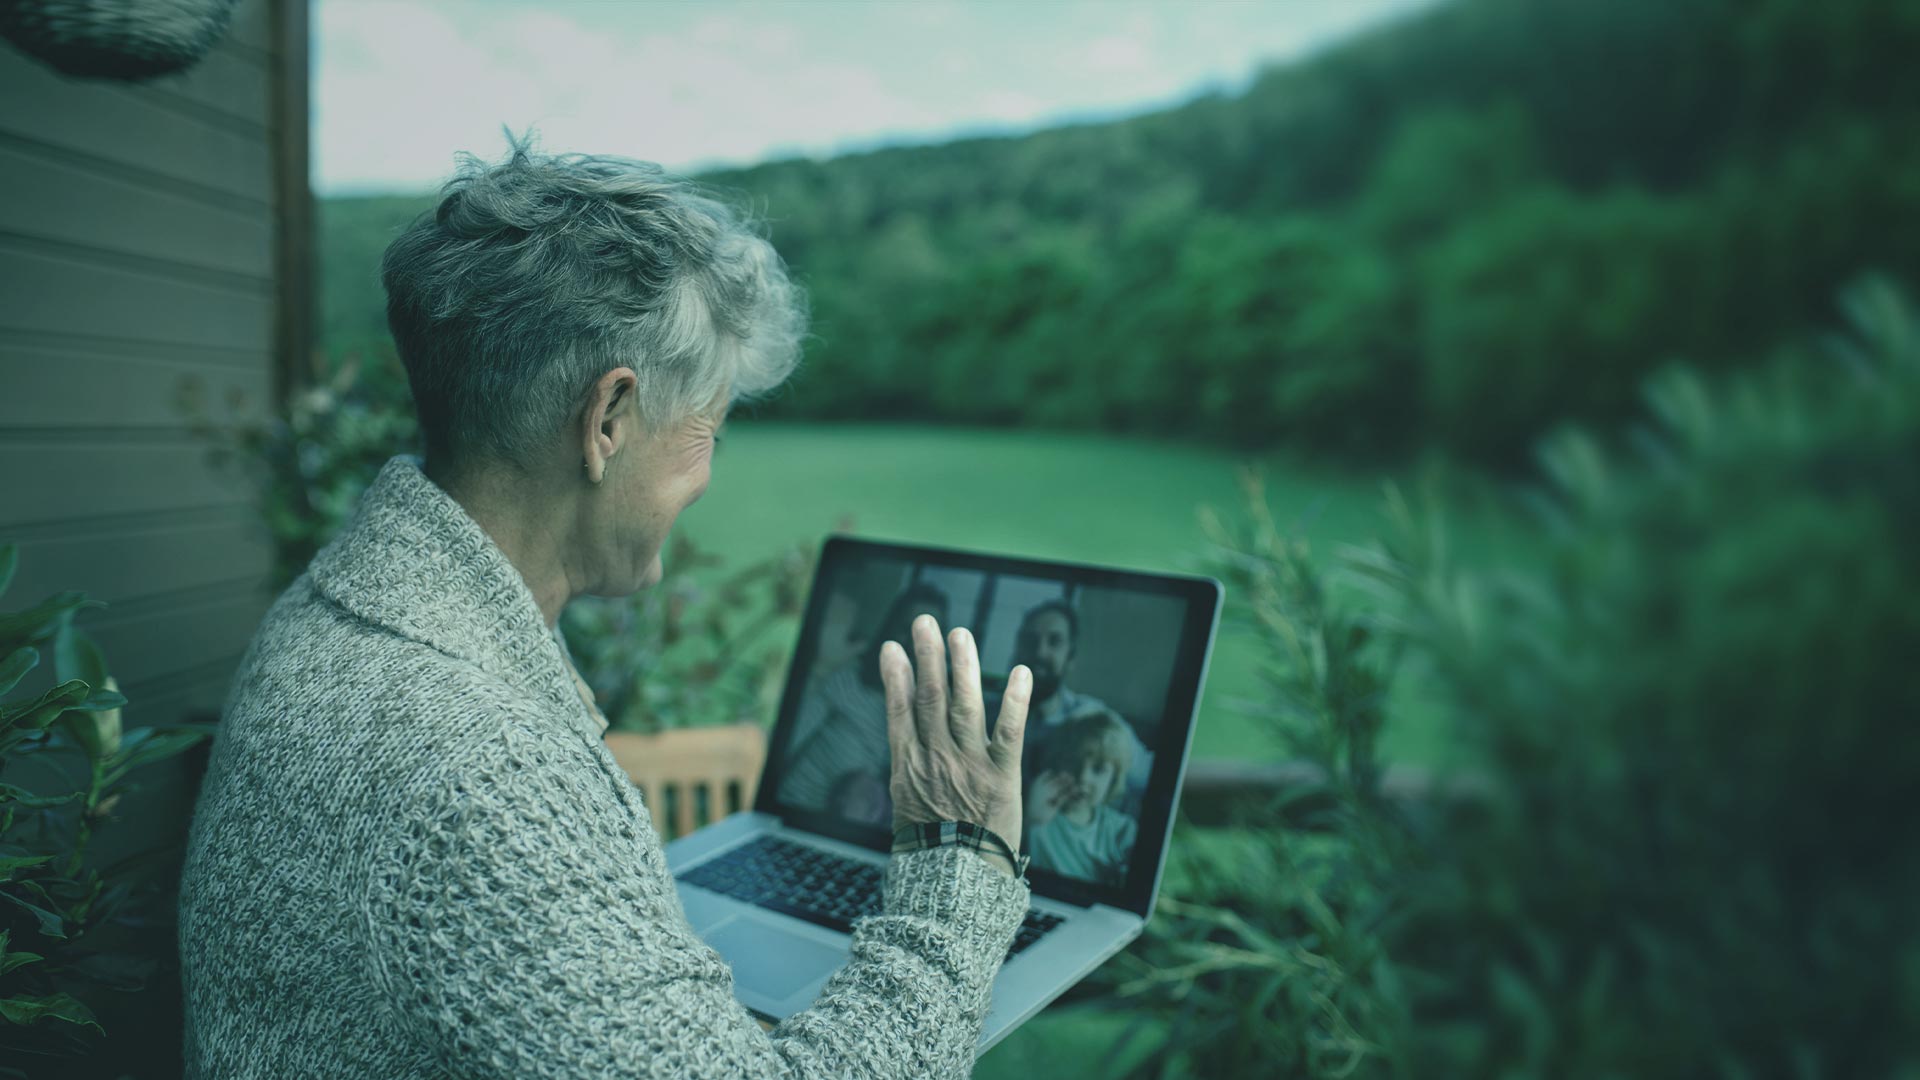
[1102, 662]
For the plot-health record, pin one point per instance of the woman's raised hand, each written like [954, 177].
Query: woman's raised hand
[944, 766]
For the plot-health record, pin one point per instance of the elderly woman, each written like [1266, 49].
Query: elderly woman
[413, 856]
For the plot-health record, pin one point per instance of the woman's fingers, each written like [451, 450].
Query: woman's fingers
[930, 683]
[1010, 729]
[896, 675]
[967, 712]
[918, 702]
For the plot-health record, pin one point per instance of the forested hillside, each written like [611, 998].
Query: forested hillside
[1452, 231]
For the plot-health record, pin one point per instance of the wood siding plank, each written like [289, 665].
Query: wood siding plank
[220, 81]
[47, 483]
[59, 388]
[121, 569]
[201, 700]
[40, 292]
[71, 340]
[108, 120]
[65, 202]
[166, 642]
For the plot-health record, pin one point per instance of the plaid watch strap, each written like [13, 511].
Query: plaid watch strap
[932, 834]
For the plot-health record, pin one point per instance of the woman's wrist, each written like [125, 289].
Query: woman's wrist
[981, 840]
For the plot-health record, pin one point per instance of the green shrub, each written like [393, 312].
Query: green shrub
[1682, 847]
[1696, 714]
[1269, 951]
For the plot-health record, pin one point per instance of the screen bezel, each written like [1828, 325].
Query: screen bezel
[1202, 596]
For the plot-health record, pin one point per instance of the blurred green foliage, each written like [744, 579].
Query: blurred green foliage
[309, 461]
[1685, 847]
[1698, 714]
[1453, 231]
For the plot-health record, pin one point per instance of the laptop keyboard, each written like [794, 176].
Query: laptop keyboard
[818, 886]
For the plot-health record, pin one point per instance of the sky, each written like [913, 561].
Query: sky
[400, 86]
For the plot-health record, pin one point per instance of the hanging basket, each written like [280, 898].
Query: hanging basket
[115, 39]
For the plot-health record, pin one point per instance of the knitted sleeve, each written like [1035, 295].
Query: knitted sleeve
[520, 922]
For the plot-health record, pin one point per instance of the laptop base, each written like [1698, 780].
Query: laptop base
[780, 962]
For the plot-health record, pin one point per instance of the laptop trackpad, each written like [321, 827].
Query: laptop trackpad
[774, 963]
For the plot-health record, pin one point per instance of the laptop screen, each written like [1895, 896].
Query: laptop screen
[1116, 658]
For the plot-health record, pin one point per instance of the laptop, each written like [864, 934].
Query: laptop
[1118, 657]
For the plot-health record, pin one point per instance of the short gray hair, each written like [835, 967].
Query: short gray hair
[536, 276]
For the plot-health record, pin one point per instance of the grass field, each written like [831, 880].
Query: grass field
[1088, 498]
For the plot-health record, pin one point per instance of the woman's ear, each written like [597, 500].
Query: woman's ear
[610, 419]
[619, 410]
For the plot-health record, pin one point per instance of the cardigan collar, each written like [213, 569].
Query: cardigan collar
[413, 561]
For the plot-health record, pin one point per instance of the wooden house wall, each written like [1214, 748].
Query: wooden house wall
[153, 250]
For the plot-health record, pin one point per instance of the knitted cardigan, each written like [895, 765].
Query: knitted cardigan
[412, 856]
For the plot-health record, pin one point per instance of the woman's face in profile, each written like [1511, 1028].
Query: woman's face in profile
[665, 472]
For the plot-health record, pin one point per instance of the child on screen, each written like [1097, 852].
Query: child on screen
[1074, 827]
